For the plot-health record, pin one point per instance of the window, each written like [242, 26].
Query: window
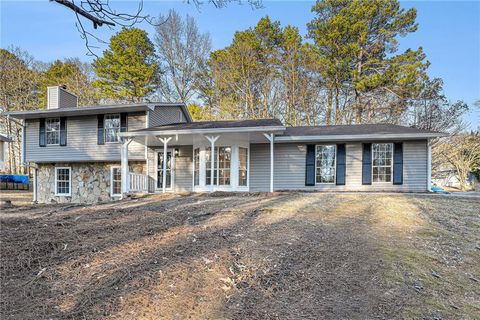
[208, 166]
[63, 181]
[196, 166]
[242, 166]
[52, 131]
[325, 163]
[221, 172]
[116, 181]
[112, 127]
[382, 162]
[224, 161]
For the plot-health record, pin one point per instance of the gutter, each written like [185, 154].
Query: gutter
[360, 137]
[200, 131]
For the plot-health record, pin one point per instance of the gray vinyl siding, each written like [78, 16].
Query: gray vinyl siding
[162, 115]
[82, 142]
[183, 171]
[60, 98]
[289, 170]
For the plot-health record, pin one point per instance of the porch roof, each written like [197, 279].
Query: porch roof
[201, 127]
[355, 132]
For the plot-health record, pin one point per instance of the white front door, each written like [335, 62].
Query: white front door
[159, 166]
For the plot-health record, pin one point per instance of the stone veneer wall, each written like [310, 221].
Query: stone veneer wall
[90, 181]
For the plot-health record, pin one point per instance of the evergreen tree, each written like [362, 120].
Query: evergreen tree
[128, 70]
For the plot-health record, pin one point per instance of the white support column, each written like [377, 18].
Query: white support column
[165, 142]
[212, 140]
[429, 166]
[125, 183]
[271, 137]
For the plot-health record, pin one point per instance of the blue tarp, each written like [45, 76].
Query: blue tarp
[13, 178]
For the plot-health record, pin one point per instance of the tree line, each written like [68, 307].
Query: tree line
[347, 69]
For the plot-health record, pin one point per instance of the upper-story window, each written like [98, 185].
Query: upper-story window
[382, 162]
[112, 127]
[52, 131]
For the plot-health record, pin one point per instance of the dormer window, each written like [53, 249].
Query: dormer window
[112, 127]
[52, 131]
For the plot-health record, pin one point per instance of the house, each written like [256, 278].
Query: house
[3, 150]
[99, 153]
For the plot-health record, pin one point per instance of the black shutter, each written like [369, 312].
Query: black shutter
[398, 163]
[310, 166]
[367, 164]
[100, 130]
[123, 122]
[63, 131]
[341, 164]
[41, 134]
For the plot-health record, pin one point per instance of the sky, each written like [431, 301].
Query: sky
[449, 32]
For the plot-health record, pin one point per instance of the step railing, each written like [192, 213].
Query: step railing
[138, 182]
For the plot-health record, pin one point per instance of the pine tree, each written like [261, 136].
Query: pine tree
[128, 70]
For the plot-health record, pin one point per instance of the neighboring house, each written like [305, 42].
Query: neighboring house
[98, 153]
[449, 178]
[3, 150]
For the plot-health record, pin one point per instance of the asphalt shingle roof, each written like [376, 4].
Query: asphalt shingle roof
[217, 125]
[352, 130]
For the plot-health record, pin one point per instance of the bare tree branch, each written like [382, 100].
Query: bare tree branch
[96, 21]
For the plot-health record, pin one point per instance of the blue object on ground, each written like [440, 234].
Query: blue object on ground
[439, 190]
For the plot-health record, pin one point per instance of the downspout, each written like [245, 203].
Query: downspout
[429, 166]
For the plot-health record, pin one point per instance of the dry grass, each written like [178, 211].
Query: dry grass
[256, 256]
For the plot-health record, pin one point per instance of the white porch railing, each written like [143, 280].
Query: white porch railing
[138, 182]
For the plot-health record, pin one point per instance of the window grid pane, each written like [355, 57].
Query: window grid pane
[112, 127]
[382, 162]
[242, 166]
[63, 181]
[224, 161]
[52, 131]
[116, 181]
[325, 160]
[196, 166]
[208, 164]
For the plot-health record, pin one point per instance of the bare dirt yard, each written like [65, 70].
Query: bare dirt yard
[244, 256]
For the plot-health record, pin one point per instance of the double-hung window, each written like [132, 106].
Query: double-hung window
[63, 183]
[112, 127]
[196, 166]
[382, 162]
[52, 131]
[222, 163]
[242, 166]
[325, 163]
[116, 181]
[208, 166]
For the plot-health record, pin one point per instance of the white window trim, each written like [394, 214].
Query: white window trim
[391, 165]
[334, 165]
[46, 132]
[105, 128]
[111, 182]
[233, 186]
[69, 184]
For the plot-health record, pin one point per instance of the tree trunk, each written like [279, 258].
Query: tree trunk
[328, 114]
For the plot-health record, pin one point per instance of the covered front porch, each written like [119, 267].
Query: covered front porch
[179, 157]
